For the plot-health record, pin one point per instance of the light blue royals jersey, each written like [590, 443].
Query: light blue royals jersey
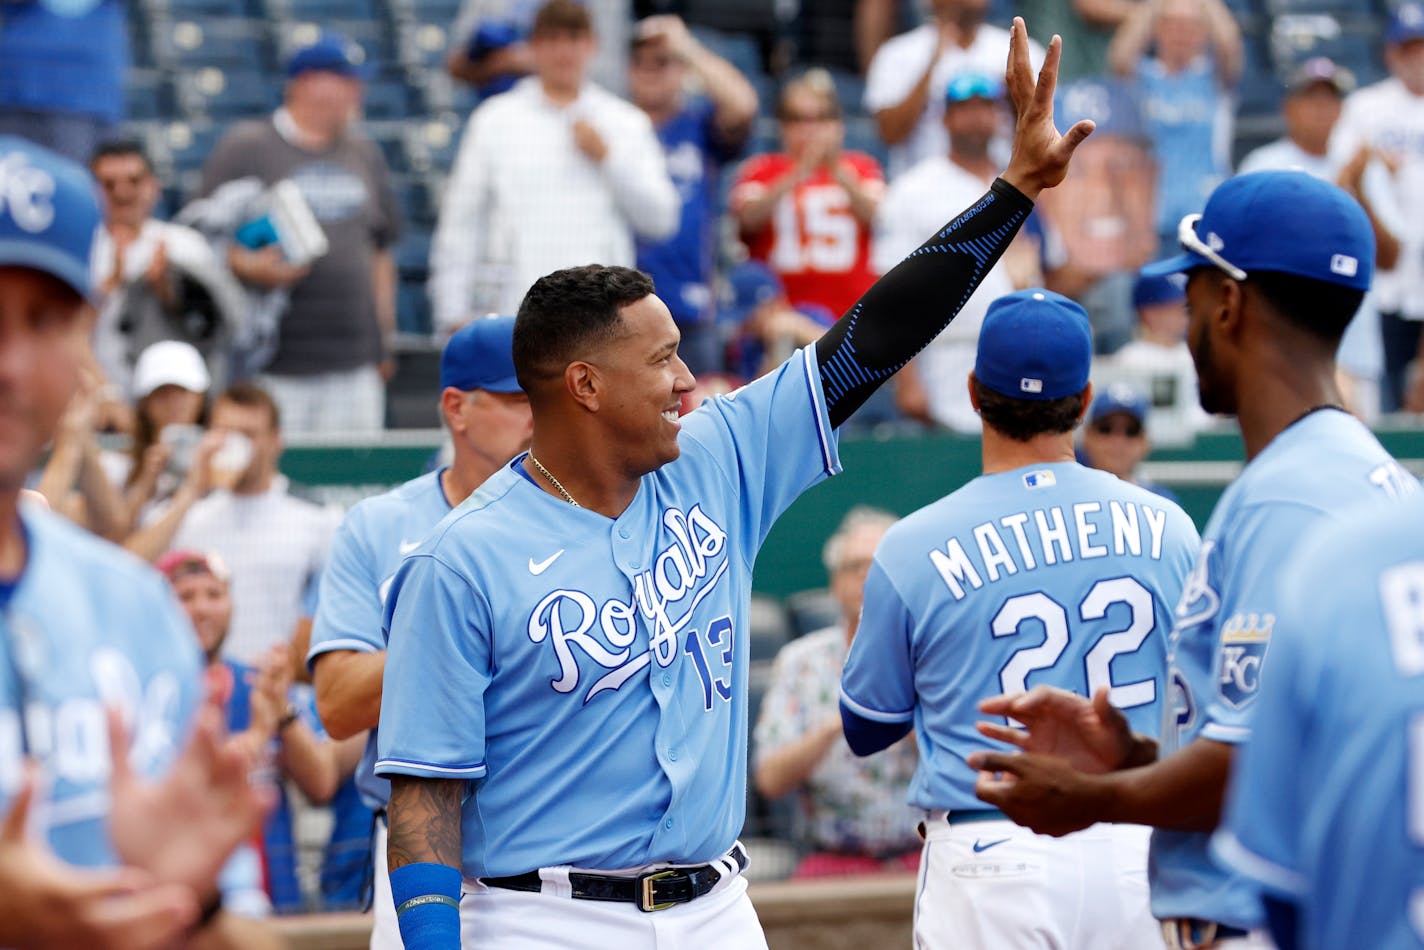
[588, 675]
[1052, 574]
[89, 626]
[376, 534]
[1188, 119]
[1323, 464]
[1327, 796]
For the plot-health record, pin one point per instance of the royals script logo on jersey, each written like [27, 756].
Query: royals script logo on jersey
[665, 596]
[70, 735]
[1199, 601]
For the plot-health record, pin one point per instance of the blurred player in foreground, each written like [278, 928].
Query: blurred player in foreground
[489, 422]
[564, 711]
[1324, 811]
[110, 841]
[1041, 570]
[1277, 265]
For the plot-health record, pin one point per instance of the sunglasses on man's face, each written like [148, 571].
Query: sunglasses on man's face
[1128, 427]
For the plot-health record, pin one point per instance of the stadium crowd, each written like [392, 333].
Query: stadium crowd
[302, 197]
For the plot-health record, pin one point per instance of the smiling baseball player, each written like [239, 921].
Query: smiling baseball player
[564, 715]
[488, 417]
[1277, 265]
[1039, 571]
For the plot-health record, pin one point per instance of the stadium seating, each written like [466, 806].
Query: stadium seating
[202, 64]
[812, 610]
[769, 628]
[194, 44]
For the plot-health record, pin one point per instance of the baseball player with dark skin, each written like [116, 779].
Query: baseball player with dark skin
[1277, 265]
[123, 796]
[564, 708]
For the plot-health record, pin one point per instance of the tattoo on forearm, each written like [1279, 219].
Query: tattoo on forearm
[424, 821]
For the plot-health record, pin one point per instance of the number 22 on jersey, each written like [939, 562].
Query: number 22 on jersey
[1097, 660]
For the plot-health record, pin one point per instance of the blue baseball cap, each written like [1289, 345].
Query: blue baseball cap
[1405, 23]
[966, 86]
[1286, 221]
[1152, 289]
[1034, 344]
[49, 211]
[330, 52]
[1119, 397]
[481, 356]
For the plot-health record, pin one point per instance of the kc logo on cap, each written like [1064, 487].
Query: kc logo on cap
[26, 193]
[49, 211]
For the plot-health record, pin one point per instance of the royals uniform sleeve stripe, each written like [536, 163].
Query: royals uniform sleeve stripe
[875, 715]
[1219, 732]
[1283, 880]
[428, 769]
[829, 463]
[344, 643]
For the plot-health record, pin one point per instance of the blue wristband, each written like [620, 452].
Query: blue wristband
[427, 899]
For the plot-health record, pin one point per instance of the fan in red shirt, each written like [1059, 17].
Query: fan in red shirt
[807, 210]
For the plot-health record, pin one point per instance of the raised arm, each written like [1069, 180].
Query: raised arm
[1129, 44]
[1107, 14]
[1226, 44]
[897, 121]
[910, 305]
[734, 100]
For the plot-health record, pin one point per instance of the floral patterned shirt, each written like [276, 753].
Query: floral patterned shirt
[852, 805]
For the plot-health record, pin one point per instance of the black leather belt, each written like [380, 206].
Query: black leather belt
[650, 891]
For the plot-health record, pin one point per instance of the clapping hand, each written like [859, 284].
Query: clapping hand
[182, 826]
[45, 902]
[1091, 735]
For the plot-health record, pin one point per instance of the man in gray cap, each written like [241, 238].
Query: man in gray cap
[1314, 95]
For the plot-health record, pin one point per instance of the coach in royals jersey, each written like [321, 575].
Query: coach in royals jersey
[1276, 265]
[487, 415]
[564, 711]
[112, 760]
[1039, 571]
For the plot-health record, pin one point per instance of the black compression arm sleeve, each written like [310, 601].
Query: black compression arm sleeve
[909, 306]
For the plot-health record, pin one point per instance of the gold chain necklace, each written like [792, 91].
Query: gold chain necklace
[556, 483]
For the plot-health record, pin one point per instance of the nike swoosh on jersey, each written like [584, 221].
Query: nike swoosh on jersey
[985, 847]
[407, 546]
[538, 567]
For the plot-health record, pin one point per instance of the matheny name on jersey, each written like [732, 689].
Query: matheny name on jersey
[1024, 541]
[685, 572]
